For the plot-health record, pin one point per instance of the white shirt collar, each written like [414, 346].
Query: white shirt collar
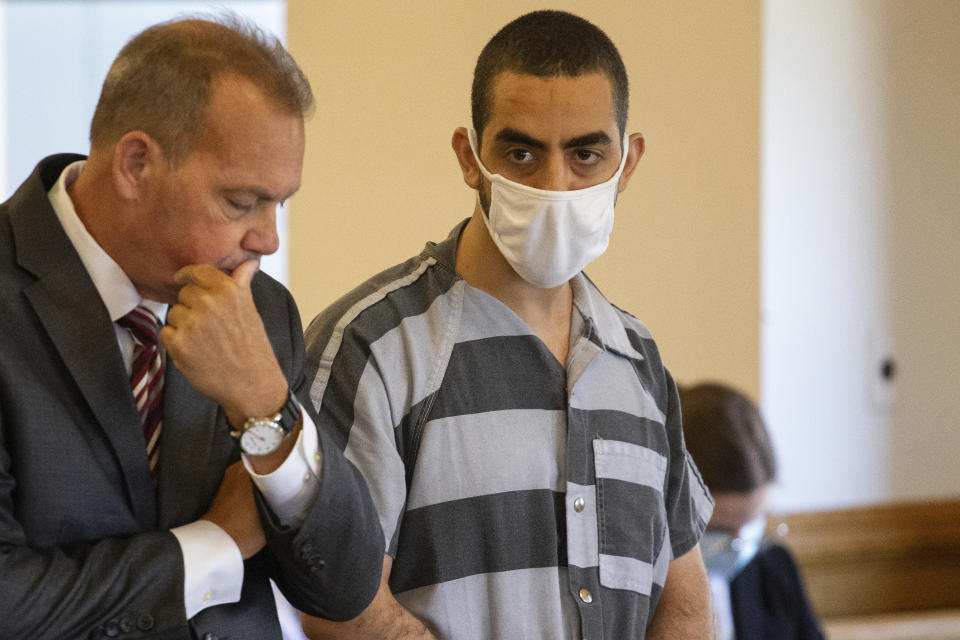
[115, 288]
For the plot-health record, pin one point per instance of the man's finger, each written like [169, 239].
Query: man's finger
[175, 316]
[192, 273]
[245, 271]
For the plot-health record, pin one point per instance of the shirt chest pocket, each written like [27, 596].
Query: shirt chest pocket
[631, 515]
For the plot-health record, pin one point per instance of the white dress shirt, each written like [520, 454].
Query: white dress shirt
[213, 565]
[722, 608]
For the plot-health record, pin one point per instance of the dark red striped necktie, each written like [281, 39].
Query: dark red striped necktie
[146, 377]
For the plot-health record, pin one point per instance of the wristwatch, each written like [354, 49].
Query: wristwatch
[260, 436]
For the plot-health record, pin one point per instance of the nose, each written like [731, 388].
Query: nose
[554, 175]
[261, 237]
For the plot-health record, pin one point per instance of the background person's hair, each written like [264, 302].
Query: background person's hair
[160, 82]
[548, 44]
[727, 438]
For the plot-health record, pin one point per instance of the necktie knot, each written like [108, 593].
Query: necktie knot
[143, 325]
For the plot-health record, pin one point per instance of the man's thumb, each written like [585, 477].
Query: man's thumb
[245, 271]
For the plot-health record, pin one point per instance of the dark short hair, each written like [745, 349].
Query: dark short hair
[548, 44]
[160, 82]
[727, 438]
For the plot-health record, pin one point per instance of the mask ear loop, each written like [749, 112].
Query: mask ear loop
[472, 138]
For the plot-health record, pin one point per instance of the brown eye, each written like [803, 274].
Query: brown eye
[587, 156]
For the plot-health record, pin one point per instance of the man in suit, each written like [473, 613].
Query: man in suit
[125, 507]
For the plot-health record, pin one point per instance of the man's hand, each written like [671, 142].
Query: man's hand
[235, 511]
[217, 340]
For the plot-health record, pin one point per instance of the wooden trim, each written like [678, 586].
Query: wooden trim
[942, 624]
[875, 560]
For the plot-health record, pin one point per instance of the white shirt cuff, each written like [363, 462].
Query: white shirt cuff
[293, 486]
[212, 566]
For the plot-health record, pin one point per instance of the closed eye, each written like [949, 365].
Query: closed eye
[242, 206]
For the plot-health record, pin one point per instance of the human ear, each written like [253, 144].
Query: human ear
[468, 164]
[635, 148]
[136, 158]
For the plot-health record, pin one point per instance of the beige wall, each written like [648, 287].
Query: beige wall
[392, 81]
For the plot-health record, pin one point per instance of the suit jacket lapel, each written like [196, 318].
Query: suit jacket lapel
[195, 439]
[70, 309]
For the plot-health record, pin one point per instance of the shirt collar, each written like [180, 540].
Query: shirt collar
[604, 319]
[115, 288]
[445, 252]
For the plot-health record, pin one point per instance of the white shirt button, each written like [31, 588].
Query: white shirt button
[208, 596]
[585, 596]
[578, 505]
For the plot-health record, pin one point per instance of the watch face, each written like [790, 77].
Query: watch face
[261, 439]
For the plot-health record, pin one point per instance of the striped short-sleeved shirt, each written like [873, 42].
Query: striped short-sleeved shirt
[519, 498]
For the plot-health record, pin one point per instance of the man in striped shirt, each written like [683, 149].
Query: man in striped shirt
[519, 434]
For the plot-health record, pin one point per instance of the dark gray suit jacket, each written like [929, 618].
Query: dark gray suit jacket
[85, 547]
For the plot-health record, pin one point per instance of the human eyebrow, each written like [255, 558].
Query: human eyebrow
[588, 140]
[512, 136]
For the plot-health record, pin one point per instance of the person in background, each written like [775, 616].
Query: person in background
[519, 433]
[757, 590]
[143, 352]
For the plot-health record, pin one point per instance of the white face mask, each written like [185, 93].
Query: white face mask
[549, 236]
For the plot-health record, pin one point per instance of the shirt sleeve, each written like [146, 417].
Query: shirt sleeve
[212, 562]
[689, 504]
[212, 566]
[294, 485]
[351, 384]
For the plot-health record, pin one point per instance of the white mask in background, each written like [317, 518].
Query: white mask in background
[725, 555]
[549, 236]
